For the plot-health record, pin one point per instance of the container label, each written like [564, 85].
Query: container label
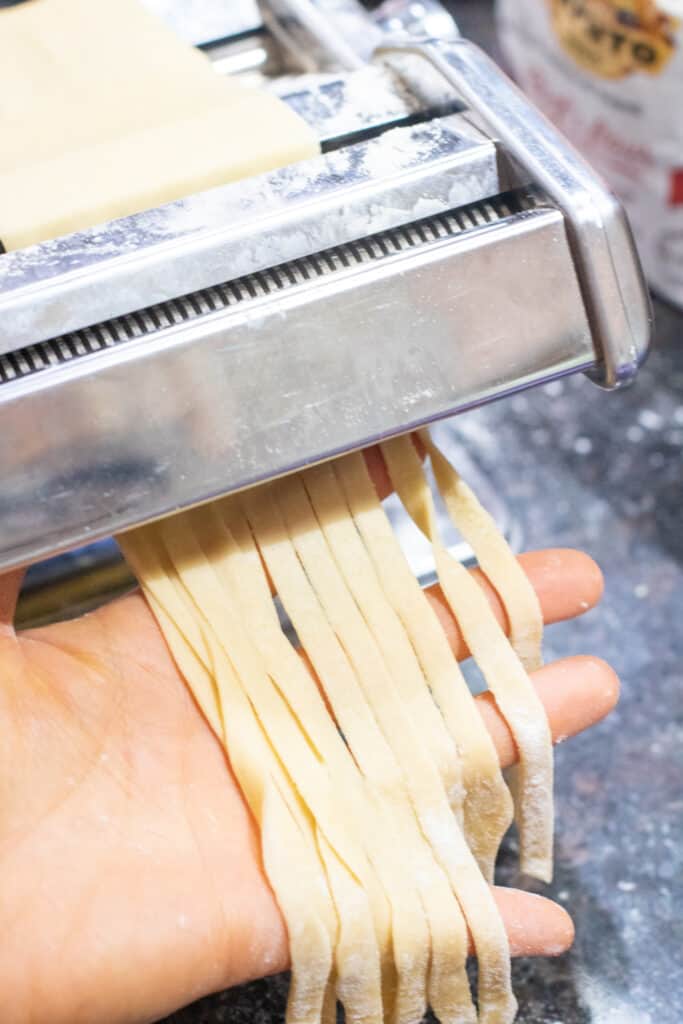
[615, 38]
[609, 73]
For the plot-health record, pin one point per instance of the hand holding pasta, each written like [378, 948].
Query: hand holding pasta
[132, 874]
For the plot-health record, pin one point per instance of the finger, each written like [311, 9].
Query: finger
[568, 583]
[576, 693]
[581, 586]
[535, 925]
[9, 592]
[378, 470]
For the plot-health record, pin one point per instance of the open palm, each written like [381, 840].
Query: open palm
[131, 875]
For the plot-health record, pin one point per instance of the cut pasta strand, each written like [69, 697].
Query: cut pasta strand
[367, 766]
[504, 673]
[487, 804]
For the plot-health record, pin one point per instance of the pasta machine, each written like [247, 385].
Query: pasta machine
[446, 248]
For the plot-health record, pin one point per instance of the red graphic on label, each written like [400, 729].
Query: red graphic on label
[676, 194]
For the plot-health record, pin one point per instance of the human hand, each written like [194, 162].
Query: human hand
[132, 881]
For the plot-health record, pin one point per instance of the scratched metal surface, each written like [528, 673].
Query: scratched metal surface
[604, 473]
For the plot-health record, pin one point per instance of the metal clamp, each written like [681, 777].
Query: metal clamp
[611, 278]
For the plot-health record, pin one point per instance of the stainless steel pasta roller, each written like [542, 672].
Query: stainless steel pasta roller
[447, 247]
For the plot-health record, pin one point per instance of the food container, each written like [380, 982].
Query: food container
[609, 73]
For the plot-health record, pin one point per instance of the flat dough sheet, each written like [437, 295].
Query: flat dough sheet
[104, 112]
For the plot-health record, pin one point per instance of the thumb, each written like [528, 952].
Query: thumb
[9, 592]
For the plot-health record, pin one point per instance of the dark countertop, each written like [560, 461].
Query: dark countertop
[602, 472]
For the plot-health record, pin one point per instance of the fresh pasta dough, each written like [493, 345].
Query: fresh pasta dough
[502, 668]
[104, 113]
[287, 834]
[525, 623]
[525, 619]
[487, 803]
[374, 778]
[279, 520]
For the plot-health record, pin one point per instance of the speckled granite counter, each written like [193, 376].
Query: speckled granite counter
[605, 473]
